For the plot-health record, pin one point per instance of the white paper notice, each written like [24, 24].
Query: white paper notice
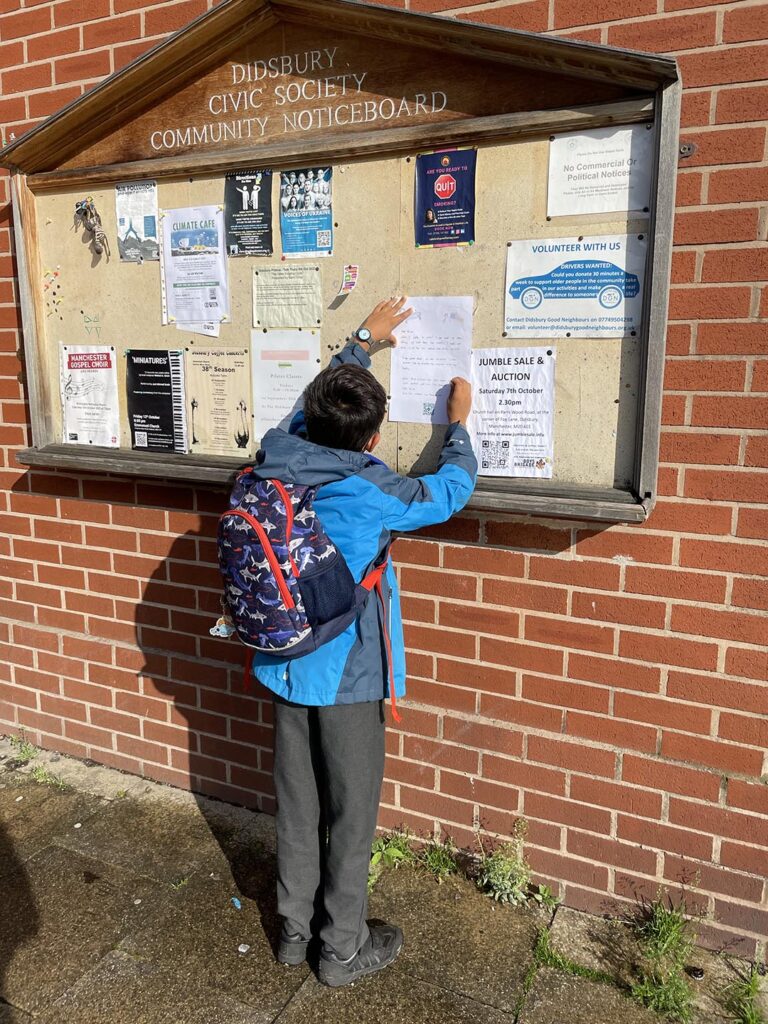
[209, 329]
[434, 345]
[287, 297]
[600, 171]
[282, 364]
[195, 265]
[513, 410]
[88, 377]
[588, 287]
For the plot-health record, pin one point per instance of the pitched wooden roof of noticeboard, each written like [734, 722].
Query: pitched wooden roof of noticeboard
[402, 69]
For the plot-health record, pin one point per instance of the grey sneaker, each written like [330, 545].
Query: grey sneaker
[291, 949]
[378, 951]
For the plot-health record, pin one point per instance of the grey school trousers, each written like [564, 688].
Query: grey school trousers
[329, 766]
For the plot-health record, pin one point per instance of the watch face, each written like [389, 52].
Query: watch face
[363, 334]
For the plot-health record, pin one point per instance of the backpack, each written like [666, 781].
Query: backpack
[287, 586]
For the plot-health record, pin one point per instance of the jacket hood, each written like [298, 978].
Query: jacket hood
[291, 459]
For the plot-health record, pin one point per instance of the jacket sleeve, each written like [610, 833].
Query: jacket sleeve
[409, 503]
[353, 352]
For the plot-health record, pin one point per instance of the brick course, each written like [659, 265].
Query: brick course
[616, 696]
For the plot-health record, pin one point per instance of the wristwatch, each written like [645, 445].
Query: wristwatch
[363, 334]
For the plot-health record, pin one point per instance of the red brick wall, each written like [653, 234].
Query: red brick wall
[609, 685]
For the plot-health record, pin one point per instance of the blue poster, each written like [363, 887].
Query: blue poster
[445, 198]
[306, 212]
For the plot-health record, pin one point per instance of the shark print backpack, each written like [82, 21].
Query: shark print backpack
[287, 586]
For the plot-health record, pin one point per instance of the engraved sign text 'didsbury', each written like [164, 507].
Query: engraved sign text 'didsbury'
[293, 93]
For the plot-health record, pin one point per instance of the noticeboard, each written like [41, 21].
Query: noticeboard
[301, 147]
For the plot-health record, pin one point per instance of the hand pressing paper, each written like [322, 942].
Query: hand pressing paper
[434, 345]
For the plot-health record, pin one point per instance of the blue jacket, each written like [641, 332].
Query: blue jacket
[360, 503]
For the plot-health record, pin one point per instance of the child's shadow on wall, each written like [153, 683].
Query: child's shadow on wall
[218, 735]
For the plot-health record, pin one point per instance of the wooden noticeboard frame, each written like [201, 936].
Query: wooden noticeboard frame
[505, 88]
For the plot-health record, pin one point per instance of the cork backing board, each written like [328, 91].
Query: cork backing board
[597, 379]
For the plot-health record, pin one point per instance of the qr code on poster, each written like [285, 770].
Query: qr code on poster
[427, 408]
[323, 239]
[494, 454]
[141, 439]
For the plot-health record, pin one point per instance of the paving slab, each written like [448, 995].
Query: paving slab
[200, 940]
[608, 945]
[164, 841]
[560, 998]
[601, 944]
[124, 990]
[62, 911]
[385, 999]
[33, 814]
[709, 993]
[10, 1015]
[456, 937]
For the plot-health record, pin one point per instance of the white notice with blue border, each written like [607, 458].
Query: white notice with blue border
[581, 287]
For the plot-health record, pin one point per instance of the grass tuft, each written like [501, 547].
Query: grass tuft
[666, 938]
[740, 999]
[23, 750]
[440, 858]
[546, 955]
[41, 774]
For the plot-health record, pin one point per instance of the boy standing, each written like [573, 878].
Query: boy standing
[329, 715]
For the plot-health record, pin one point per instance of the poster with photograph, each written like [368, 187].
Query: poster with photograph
[287, 296]
[585, 287]
[194, 265]
[136, 212]
[603, 170]
[218, 401]
[513, 411]
[306, 212]
[445, 198]
[155, 396]
[282, 364]
[88, 379]
[248, 213]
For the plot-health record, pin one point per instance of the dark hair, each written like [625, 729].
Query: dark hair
[344, 406]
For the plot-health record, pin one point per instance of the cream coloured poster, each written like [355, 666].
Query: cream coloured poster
[218, 401]
[289, 296]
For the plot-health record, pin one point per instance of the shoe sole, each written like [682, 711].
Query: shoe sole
[360, 973]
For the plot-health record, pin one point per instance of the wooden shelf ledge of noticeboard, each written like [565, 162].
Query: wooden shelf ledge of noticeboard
[533, 498]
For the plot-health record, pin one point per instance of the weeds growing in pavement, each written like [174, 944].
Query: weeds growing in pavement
[390, 851]
[23, 750]
[666, 939]
[740, 999]
[505, 875]
[440, 858]
[41, 774]
[546, 955]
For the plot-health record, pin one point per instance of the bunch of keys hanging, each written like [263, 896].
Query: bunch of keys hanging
[88, 215]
